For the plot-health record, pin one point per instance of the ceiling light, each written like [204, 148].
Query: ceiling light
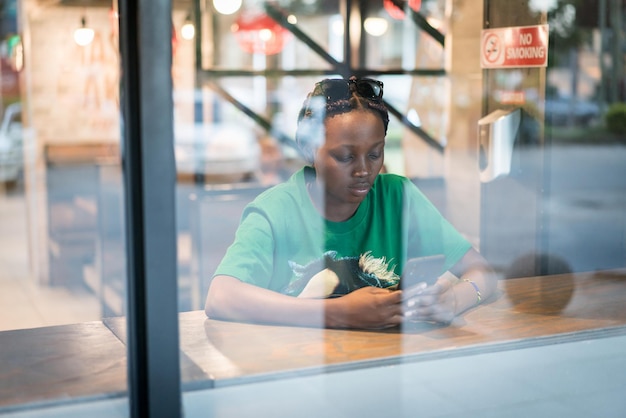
[83, 36]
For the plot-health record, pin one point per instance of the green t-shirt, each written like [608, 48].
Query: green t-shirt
[282, 228]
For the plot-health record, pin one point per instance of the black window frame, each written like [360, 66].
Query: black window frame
[149, 188]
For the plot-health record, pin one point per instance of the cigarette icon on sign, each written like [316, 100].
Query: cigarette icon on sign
[492, 49]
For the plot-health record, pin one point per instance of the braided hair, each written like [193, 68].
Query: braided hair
[316, 109]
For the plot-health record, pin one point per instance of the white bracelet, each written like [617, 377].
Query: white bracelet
[479, 297]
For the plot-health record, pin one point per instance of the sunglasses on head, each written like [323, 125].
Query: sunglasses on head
[339, 89]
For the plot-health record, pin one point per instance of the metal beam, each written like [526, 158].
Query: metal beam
[343, 68]
[415, 129]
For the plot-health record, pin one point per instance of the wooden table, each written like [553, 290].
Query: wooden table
[89, 360]
[53, 364]
[525, 312]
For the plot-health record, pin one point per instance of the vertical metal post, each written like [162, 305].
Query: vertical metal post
[501, 202]
[354, 29]
[347, 41]
[198, 104]
[617, 78]
[602, 26]
[362, 47]
[149, 180]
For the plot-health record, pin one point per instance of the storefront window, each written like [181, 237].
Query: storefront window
[508, 117]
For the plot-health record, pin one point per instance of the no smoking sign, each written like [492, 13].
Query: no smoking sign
[523, 46]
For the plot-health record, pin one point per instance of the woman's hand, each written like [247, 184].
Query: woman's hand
[436, 303]
[365, 308]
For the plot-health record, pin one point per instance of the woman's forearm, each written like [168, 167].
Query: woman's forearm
[477, 281]
[366, 308]
[474, 287]
[231, 299]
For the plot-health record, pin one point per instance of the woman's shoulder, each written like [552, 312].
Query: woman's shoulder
[288, 191]
[392, 179]
[390, 182]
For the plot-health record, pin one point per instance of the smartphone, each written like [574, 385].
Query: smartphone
[422, 270]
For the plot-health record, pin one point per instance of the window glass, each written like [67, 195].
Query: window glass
[532, 220]
[62, 261]
[521, 160]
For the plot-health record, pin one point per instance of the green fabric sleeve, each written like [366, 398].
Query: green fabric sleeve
[250, 257]
[429, 232]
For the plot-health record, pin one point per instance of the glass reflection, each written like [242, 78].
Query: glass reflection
[553, 228]
[517, 219]
[62, 263]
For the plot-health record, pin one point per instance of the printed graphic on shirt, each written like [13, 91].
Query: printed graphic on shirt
[330, 275]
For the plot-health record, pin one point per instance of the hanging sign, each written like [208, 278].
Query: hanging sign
[522, 46]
